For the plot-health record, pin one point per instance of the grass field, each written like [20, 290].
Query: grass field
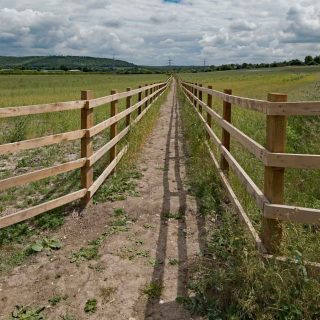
[19, 90]
[301, 186]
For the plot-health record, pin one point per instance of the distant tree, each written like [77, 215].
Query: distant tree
[64, 68]
[317, 59]
[295, 62]
[308, 60]
[86, 69]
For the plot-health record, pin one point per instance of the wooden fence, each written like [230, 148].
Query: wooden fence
[273, 157]
[86, 133]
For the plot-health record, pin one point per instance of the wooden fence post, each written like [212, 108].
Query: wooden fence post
[139, 99]
[209, 103]
[225, 134]
[200, 98]
[86, 145]
[192, 91]
[128, 105]
[151, 92]
[114, 127]
[274, 177]
[195, 96]
[146, 94]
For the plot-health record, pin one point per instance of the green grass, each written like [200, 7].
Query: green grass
[174, 216]
[57, 299]
[91, 306]
[231, 281]
[85, 254]
[16, 240]
[27, 313]
[153, 289]
[301, 186]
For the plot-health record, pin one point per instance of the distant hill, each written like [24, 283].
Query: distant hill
[60, 62]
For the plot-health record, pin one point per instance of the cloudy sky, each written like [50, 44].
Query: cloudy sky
[151, 31]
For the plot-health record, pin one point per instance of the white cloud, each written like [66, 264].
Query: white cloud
[242, 25]
[150, 31]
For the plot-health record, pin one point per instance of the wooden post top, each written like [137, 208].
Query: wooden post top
[86, 94]
[114, 91]
[227, 91]
[129, 89]
[210, 87]
[277, 97]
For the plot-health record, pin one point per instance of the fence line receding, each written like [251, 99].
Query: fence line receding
[273, 156]
[147, 95]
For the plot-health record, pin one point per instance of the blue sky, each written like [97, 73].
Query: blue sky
[151, 31]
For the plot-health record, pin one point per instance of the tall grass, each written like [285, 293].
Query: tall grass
[301, 186]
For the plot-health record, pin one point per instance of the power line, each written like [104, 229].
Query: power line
[204, 62]
[170, 62]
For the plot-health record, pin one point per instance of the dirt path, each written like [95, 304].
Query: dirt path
[157, 245]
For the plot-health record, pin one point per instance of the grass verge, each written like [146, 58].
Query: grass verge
[301, 186]
[231, 281]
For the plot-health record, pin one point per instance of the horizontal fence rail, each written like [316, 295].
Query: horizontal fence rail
[273, 157]
[85, 134]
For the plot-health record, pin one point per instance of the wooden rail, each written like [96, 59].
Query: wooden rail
[273, 157]
[86, 133]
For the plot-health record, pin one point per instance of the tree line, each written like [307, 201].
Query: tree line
[308, 61]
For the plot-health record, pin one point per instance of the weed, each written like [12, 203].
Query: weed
[56, 299]
[154, 262]
[85, 253]
[27, 313]
[143, 253]
[173, 262]
[46, 244]
[149, 226]
[132, 253]
[153, 289]
[119, 186]
[119, 212]
[15, 233]
[50, 220]
[91, 306]
[111, 230]
[174, 216]
[139, 242]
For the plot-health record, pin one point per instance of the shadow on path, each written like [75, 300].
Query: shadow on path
[155, 309]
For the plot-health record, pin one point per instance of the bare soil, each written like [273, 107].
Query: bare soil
[163, 238]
